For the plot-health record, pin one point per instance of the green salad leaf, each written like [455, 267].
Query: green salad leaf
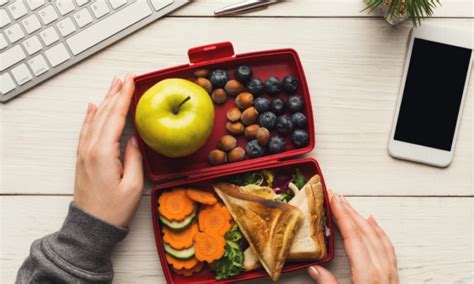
[298, 179]
[269, 177]
[232, 263]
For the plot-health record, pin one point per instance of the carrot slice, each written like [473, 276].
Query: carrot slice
[201, 196]
[215, 219]
[181, 263]
[209, 247]
[175, 205]
[180, 239]
[188, 272]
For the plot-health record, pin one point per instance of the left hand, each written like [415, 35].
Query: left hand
[104, 187]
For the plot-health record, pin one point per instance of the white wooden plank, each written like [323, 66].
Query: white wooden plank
[353, 66]
[319, 8]
[432, 236]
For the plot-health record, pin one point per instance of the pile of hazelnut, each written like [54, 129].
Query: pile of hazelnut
[255, 119]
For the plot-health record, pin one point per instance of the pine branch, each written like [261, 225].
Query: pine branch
[416, 9]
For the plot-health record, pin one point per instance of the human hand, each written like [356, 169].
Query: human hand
[371, 254]
[103, 187]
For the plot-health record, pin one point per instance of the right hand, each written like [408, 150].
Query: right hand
[371, 254]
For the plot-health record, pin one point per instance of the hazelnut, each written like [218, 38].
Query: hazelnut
[244, 100]
[263, 135]
[237, 154]
[206, 84]
[217, 157]
[227, 143]
[233, 114]
[249, 116]
[234, 87]
[251, 131]
[235, 128]
[201, 73]
[219, 96]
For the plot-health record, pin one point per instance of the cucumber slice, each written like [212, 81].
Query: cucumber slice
[180, 254]
[178, 225]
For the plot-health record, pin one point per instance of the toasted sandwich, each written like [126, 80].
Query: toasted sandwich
[269, 226]
[309, 242]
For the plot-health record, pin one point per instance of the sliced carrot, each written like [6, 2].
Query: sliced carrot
[180, 239]
[215, 219]
[175, 205]
[209, 247]
[201, 196]
[188, 272]
[181, 263]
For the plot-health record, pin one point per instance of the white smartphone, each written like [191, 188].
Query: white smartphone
[432, 94]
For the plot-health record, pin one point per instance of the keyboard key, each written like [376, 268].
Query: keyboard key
[4, 18]
[21, 74]
[48, 15]
[81, 2]
[32, 45]
[83, 18]
[11, 56]
[34, 4]
[6, 83]
[57, 54]
[31, 24]
[17, 9]
[66, 27]
[49, 36]
[108, 27]
[38, 65]
[14, 33]
[160, 4]
[65, 6]
[3, 2]
[117, 3]
[100, 8]
[3, 42]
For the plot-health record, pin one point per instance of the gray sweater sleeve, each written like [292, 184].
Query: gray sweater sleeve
[80, 252]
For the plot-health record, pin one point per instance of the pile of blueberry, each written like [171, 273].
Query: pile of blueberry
[266, 112]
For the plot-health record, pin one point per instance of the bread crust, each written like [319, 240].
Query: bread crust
[269, 226]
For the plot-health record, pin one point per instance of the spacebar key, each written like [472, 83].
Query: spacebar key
[108, 27]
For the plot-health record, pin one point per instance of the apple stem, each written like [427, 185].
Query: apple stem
[176, 109]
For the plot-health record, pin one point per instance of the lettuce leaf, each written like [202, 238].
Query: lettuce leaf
[232, 263]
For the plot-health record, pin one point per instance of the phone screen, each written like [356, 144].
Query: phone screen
[433, 92]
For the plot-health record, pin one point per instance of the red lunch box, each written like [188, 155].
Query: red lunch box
[195, 171]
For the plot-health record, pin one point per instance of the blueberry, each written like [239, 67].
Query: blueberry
[299, 120]
[256, 87]
[267, 120]
[243, 73]
[290, 84]
[218, 78]
[273, 86]
[276, 144]
[278, 106]
[295, 103]
[284, 125]
[300, 138]
[261, 104]
[254, 150]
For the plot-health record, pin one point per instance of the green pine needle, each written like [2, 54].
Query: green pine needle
[416, 9]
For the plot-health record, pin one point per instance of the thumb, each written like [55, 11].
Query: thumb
[321, 275]
[133, 166]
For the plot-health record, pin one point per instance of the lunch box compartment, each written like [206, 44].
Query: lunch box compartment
[308, 167]
[264, 64]
[195, 170]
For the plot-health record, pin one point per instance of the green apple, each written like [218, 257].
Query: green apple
[175, 117]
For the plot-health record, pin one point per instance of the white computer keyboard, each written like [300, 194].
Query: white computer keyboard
[39, 38]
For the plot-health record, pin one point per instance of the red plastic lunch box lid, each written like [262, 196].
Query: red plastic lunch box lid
[279, 62]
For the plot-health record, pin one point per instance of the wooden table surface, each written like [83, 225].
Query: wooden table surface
[353, 63]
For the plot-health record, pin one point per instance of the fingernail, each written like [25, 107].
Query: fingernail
[89, 107]
[313, 272]
[114, 81]
[372, 219]
[134, 142]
